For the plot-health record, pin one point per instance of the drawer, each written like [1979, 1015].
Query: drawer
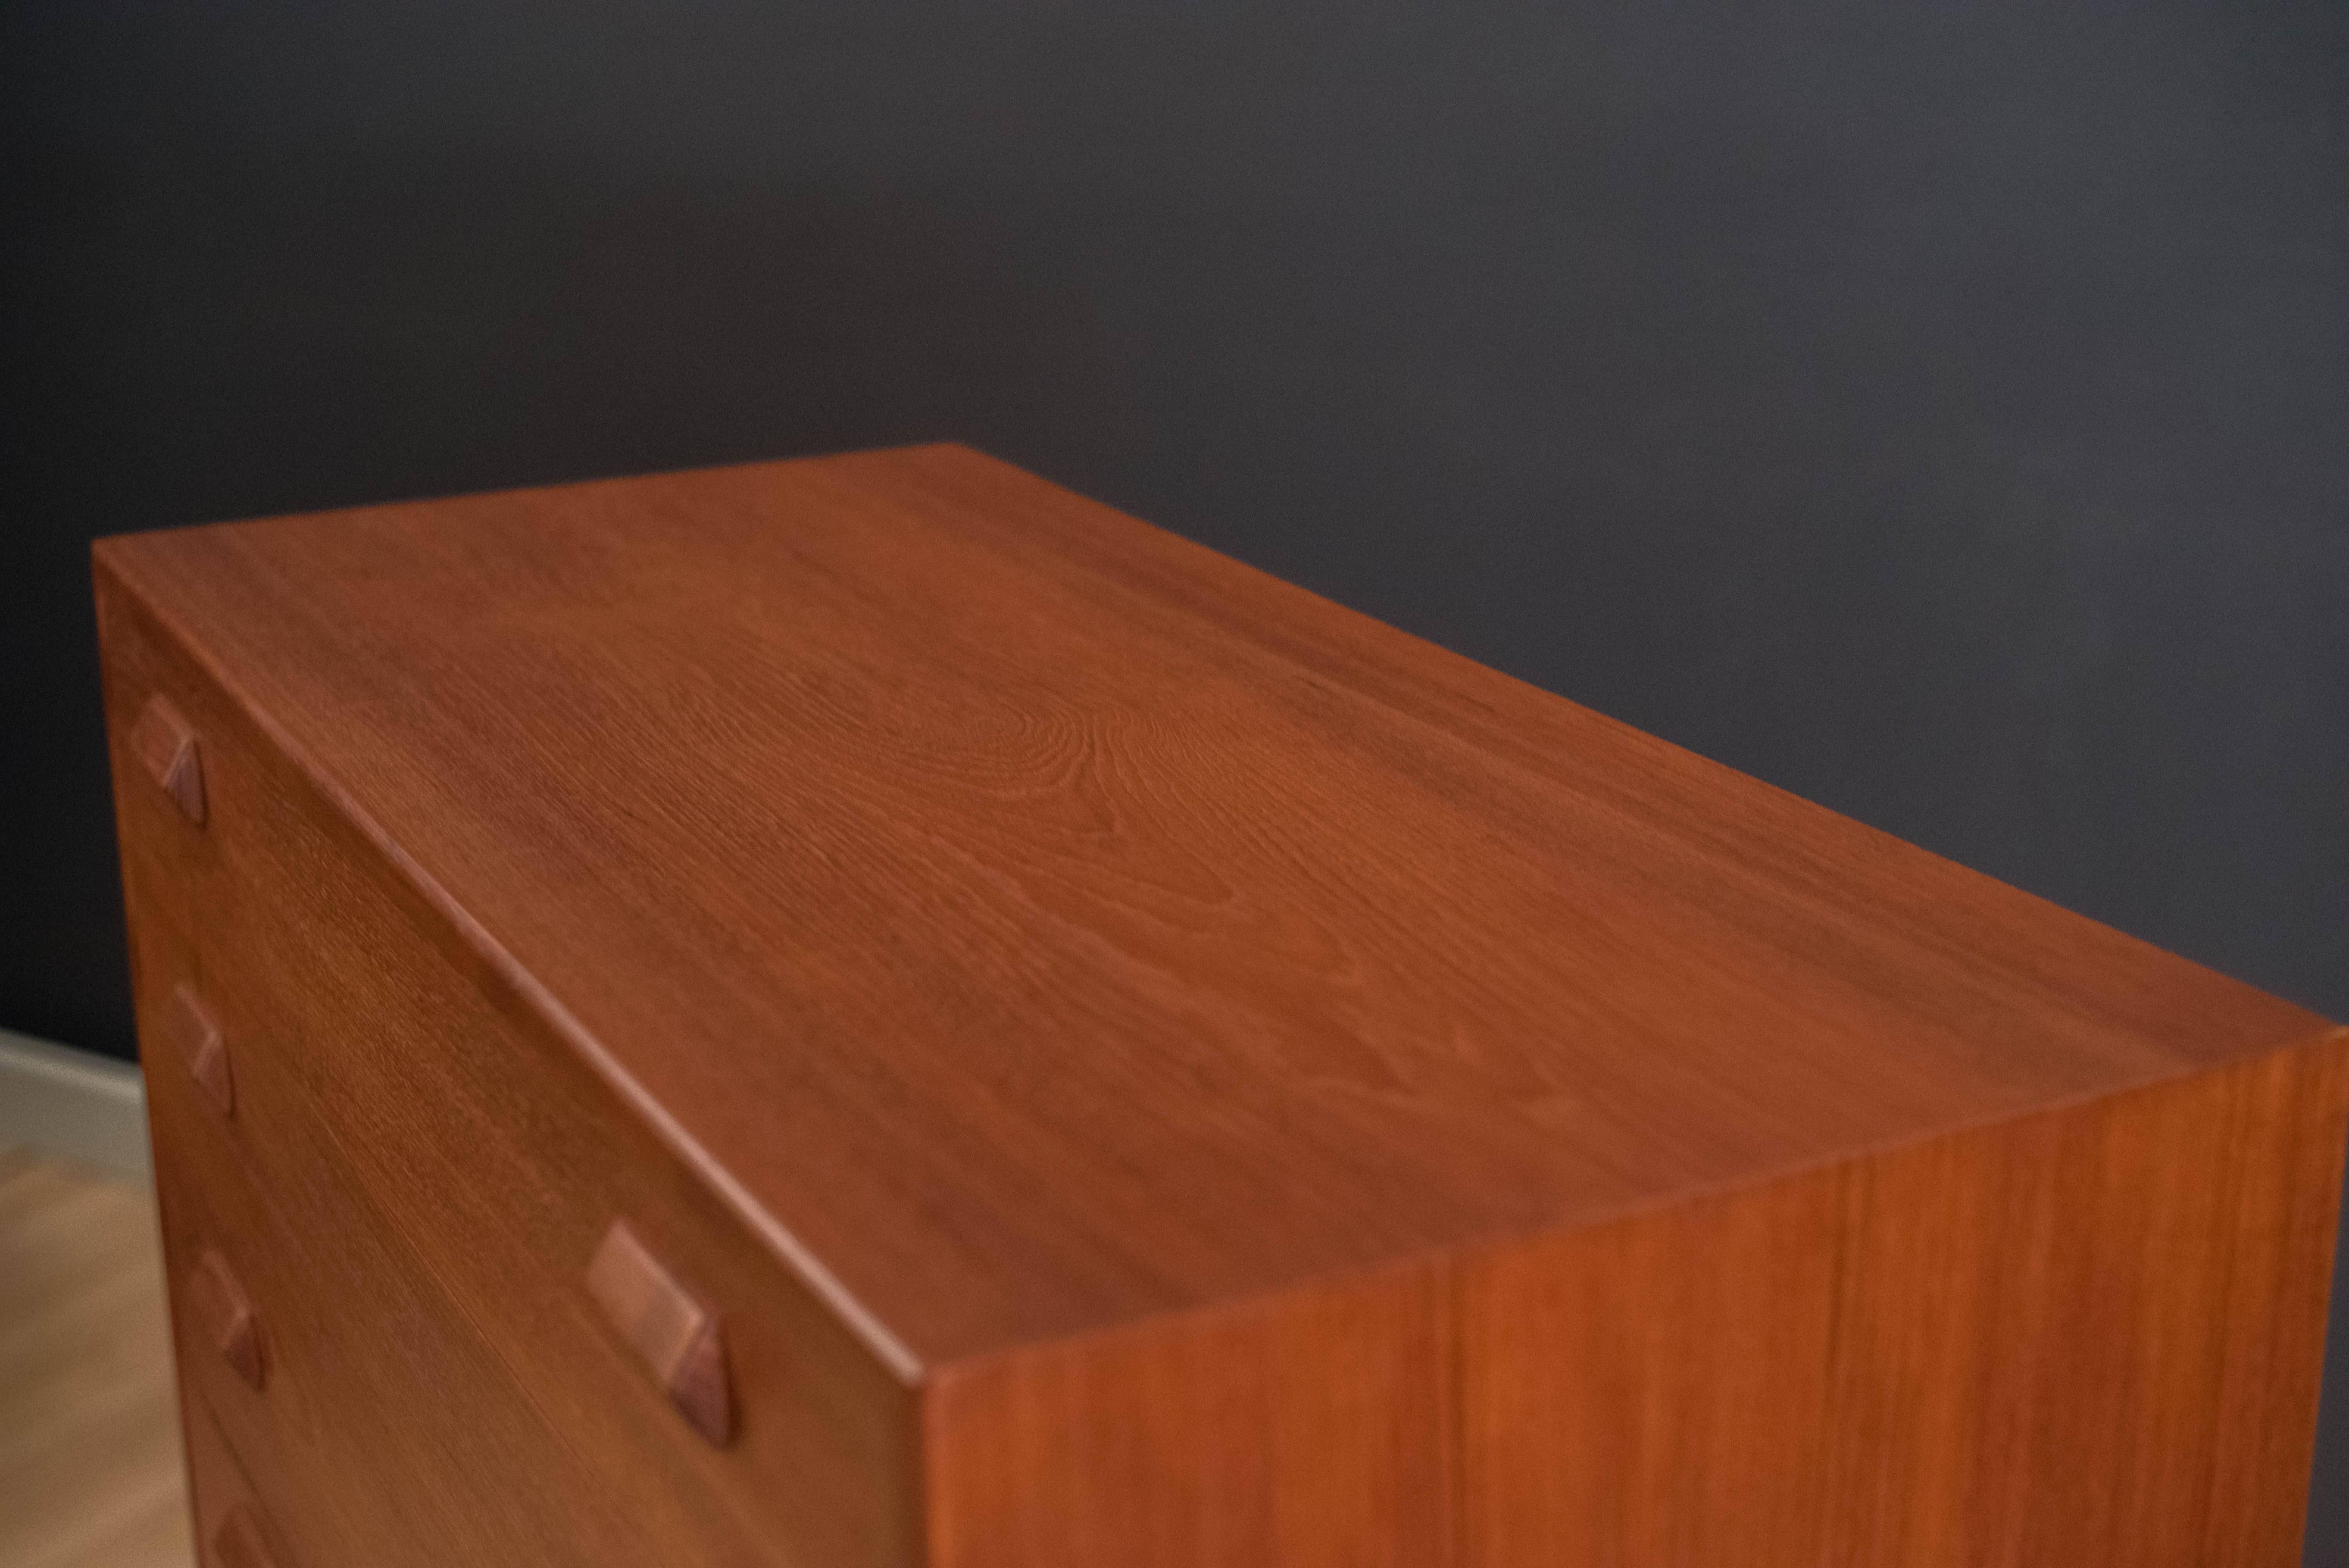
[368, 1412]
[234, 1528]
[411, 1177]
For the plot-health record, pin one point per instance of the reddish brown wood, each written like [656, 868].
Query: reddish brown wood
[417, 1174]
[201, 1047]
[240, 1542]
[1317, 1429]
[232, 1528]
[389, 1433]
[1155, 1069]
[2083, 1337]
[166, 748]
[224, 1316]
[664, 1323]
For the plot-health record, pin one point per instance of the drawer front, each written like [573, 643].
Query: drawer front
[379, 1423]
[234, 1528]
[412, 1178]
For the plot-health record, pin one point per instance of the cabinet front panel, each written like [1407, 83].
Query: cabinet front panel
[413, 1177]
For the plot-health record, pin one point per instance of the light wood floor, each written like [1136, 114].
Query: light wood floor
[90, 1474]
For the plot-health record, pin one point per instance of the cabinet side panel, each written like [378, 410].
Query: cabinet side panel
[1654, 1390]
[2094, 1335]
[1314, 1430]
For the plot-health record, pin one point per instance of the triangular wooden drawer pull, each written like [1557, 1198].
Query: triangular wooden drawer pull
[202, 1046]
[669, 1326]
[225, 1314]
[166, 746]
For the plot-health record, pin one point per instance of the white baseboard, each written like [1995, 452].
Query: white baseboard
[86, 1108]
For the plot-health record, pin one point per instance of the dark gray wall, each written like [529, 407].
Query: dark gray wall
[1942, 412]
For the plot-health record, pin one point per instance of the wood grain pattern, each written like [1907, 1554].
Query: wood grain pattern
[1152, 1068]
[243, 1541]
[413, 1187]
[2086, 1336]
[383, 1425]
[1318, 1430]
[231, 1522]
[1043, 923]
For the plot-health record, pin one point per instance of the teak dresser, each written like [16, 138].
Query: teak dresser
[872, 1012]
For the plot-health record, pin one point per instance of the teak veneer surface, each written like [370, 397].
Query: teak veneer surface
[1031, 922]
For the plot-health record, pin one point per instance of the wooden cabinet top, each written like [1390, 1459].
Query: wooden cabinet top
[1028, 920]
